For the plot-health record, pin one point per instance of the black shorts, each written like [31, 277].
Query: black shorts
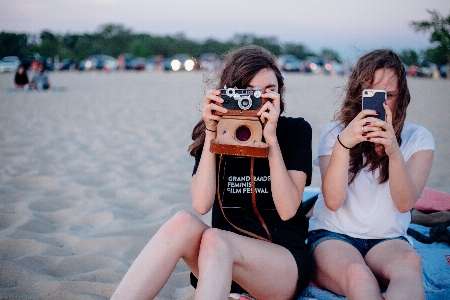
[302, 258]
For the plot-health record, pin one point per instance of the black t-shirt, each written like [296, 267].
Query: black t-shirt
[21, 79]
[294, 138]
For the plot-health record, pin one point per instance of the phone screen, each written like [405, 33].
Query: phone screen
[374, 99]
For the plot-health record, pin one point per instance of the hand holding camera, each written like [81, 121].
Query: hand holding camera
[239, 130]
[212, 104]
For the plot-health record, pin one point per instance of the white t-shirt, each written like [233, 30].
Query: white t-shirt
[368, 212]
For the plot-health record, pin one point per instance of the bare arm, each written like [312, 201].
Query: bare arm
[334, 174]
[334, 168]
[287, 186]
[203, 184]
[407, 180]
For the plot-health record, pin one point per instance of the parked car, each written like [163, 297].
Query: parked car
[290, 63]
[443, 71]
[313, 64]
[138, 63]
[334, 68]
[427, 70]
[99, 62]
[182, 62]
[65, 64]
[9, 64]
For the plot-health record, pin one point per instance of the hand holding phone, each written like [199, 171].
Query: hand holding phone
[374, 99]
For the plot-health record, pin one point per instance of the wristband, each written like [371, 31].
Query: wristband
[342, 144]
[210, 129]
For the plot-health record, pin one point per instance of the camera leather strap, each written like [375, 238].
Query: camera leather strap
[255, 209]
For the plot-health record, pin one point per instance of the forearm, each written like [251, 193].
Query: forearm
[203, 184]
[335, 180]
[286, 194]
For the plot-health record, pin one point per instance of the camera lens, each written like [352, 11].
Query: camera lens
[245, 102]
[243, 133]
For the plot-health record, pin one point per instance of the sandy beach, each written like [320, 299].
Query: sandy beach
[88, 175]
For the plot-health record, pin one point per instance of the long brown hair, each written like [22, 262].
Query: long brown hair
[362, 78]
[242, 65]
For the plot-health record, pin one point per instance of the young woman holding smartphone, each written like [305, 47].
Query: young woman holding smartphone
[373, 171]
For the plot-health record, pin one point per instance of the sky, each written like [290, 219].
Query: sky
[349, 27]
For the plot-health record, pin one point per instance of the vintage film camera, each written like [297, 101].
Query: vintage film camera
[239, 132]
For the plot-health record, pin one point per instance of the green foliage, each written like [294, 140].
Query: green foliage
[115, 39]
[409, 57]
[298, 50]
[435, 55]
[13, 44]
[329, 54]
[49, 44]
[270, 43]
[439, 26]
[138, 49]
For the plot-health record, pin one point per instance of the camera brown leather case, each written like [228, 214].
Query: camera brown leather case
[241, 136]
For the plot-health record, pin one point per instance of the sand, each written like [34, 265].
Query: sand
[88, 175]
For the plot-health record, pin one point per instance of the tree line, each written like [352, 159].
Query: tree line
[116, 39]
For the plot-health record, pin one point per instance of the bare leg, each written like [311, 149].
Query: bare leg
[396, 264]
[178, 238]
[340, 268]
[265, 270]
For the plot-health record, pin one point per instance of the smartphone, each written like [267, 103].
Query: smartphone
[374, 99]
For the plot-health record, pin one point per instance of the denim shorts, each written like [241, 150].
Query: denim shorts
[362, 245]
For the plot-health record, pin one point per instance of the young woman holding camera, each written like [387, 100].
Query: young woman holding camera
[373, 171]
[221, 257]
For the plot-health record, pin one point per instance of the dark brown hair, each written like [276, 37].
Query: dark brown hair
[363, 78]
[242, 65]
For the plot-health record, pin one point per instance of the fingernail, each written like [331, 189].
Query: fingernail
[385, 103]
[377, 113]
[364, 134]
[368, 138]
[367, 123]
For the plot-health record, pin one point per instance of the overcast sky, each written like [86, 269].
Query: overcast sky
[347, 26]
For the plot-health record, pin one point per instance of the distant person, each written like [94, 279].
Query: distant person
[21, 78]
[40, 79]
[373, 172]
[217, 256]
[121, 62]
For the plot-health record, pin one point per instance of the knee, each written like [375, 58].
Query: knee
[182, 222]
[409, 260]
[214, 243]
[358, 275]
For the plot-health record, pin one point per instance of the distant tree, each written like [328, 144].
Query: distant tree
[13, 44]
[329, 54]
[298, 50]
[270, 43]
[138, 49]
[440, 30]
[114, 39]
[49, 45]
[434, 55]
[213, 46]
[409, 57]
[85, 46]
